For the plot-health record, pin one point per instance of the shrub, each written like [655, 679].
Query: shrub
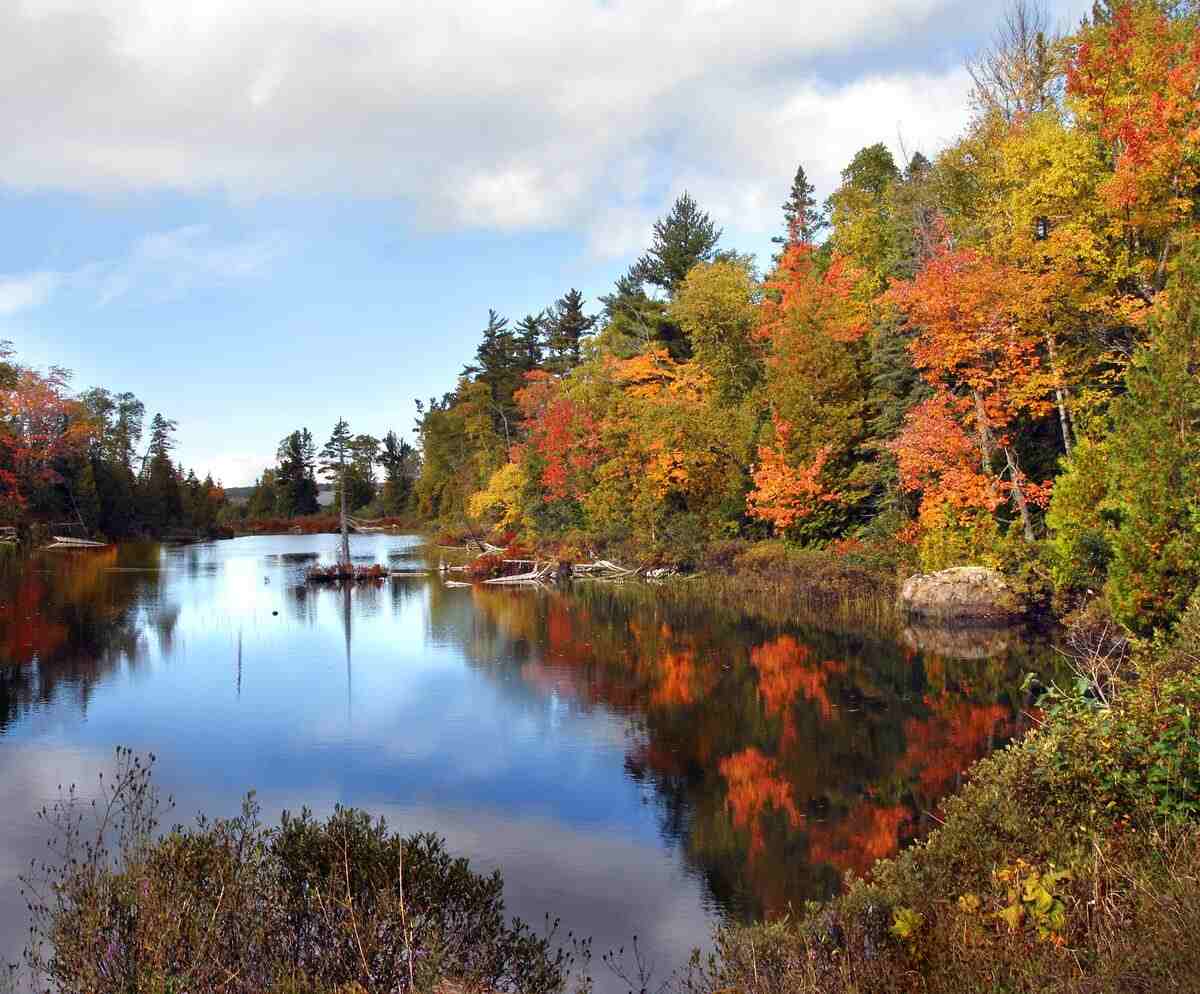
[233, 905]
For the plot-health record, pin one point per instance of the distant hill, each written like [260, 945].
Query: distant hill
[239, 495]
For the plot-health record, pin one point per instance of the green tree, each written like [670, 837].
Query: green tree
[803, 218]
[566, 328]
[399, 461]
[1154, 467]
[716, 307]
[162, 500]
[335, 460]
[296, 485]
[686, 236]
[530, 341]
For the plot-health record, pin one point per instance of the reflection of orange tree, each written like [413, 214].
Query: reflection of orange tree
[869, 831]
[953, 735]
[756, 785]
[780, 759]
[65, 621]
[26, 632]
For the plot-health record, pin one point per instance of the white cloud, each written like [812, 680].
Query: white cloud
[163, 264]
[509, 116]
[25, 292]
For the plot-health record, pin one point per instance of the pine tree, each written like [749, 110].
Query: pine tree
[566, 329]
[399, 460]
[530, 340]
[686, 236]
[296, 488]
[803, 218]
[335, 458]
[160, 484]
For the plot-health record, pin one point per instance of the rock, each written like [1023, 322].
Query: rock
[961, 594]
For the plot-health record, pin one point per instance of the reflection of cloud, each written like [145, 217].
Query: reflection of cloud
[598, 882]
[29, 778]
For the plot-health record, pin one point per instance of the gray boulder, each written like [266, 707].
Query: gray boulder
[960, 594]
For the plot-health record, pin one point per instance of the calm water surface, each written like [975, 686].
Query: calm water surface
[632, 761]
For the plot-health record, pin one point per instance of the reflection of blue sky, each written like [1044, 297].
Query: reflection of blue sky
[523, 778]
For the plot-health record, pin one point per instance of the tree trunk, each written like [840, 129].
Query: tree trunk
[987, 444]
[345, 554]
[1060, 396]
[984, 428]
[1014, 470]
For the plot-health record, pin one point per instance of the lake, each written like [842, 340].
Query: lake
[634, 760]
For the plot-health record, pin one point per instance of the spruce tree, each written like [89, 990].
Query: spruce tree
[566, 329]
[296, 487]
[335, 459]
[803, 218]
[530, 341]
[686, 236]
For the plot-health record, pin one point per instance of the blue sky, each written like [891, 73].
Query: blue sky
[264, 216]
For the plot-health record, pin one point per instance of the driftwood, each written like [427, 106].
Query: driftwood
[535, 575]
[65, 542]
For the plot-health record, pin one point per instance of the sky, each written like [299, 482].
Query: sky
[263, 216]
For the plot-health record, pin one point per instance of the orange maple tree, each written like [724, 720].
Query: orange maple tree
[985, 366]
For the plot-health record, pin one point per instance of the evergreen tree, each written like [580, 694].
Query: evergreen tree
[566, 329]
[162, 499]
[399, 461]
[803, 218]
[296, 485]
[499, 366]
[1154, 465]
[335, 460]
[263, 499]
[686, 236]
[530, 340]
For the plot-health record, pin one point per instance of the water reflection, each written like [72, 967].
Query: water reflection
[633, 761]
[779, 759]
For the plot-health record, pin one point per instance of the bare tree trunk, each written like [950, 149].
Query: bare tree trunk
[1014, 470]
[1060, 396]
[984, 427]
[345, 555]
[987, 444]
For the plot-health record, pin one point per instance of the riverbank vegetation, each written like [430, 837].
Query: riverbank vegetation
[988, 357]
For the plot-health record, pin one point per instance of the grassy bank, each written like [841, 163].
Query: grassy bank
[1070, 862]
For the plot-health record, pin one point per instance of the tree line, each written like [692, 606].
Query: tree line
[378, 474]
[986, 357]
[87, 463]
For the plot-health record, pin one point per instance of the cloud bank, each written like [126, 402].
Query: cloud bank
[516, 116]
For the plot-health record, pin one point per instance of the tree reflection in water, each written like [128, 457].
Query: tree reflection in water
[780, 758]
[67, 619]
